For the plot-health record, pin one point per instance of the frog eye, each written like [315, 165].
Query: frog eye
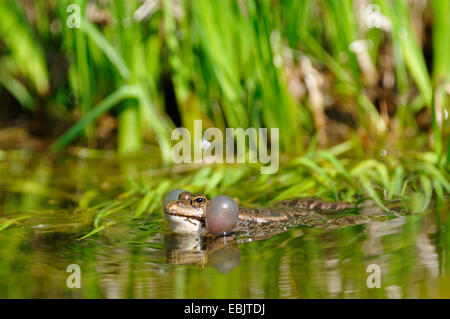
[185, 196]
[198, 200]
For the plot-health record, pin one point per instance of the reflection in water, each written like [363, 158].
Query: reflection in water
[195, 250]
[135, 258]
[132, 261]
[224, 259]
[185, 250]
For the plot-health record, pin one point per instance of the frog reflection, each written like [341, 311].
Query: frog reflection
[200, 251]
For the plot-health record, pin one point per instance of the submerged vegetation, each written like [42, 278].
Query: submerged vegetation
[360, 91]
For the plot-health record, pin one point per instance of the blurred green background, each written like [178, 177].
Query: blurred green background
[123, 74]
[316, 69]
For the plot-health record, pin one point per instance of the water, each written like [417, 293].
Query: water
[45, 202]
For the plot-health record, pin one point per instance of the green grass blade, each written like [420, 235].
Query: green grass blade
[125, 92]
[109, 51]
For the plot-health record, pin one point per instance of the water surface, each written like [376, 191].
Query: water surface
[47, 205]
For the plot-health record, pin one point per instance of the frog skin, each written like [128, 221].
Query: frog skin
[186, 216]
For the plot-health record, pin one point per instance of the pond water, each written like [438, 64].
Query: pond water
[45, 208]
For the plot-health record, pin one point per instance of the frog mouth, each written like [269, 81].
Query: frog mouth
[184, 209]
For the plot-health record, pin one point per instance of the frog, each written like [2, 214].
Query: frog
[191, 213]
